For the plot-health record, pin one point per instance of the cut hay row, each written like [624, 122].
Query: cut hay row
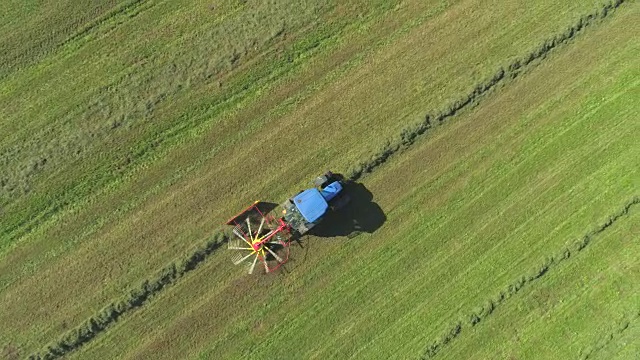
[409, 135]
[151, 287]
[486, 309]
[623, 325]
[136, 298]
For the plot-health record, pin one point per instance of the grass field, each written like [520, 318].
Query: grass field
[133, 129]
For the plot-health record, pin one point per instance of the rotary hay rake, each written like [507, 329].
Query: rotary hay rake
[262, 236]
[259, 238]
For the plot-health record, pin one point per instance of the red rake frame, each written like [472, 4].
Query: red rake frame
[256, 244]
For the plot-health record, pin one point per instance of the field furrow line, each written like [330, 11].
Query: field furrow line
[140, 295]
[130, 9]
[482, 312]
[619, 328]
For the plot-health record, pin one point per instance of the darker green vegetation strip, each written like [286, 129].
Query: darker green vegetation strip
[136, 298]
[19, 51]
[409, 135]
[139, 296]
[482, 312]
[130, 8]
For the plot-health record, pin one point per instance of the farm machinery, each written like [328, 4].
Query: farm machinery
[263, 235]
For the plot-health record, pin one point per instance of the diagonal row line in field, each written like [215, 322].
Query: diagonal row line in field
[170, 274]
[516, 286]
[122, 12]
[136, 298]
[130, 10]
[409, 135]
[622, 326]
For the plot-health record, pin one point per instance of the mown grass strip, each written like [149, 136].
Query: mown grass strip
[14, 60]
[620, 328]
[158, 142]
[154, 144]
[409, 135]
[483, 311]
[93, 326]
[136, 298]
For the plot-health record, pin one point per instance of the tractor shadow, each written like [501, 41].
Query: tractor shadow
[360, 215]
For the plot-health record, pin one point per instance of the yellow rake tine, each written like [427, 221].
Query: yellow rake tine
[249, 227]
[239, 248]
[274, 255]
[235, 231]
[260, 228]
[241, 260]
[253, 265]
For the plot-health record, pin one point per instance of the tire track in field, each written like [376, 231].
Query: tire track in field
[482, 312]
[139, 296]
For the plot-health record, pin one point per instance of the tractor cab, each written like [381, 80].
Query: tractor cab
[306, 209]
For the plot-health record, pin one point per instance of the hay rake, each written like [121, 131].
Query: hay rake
[261, 236]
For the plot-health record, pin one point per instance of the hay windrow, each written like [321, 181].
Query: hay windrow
[410, 134]
[170, 274]
[482, 312]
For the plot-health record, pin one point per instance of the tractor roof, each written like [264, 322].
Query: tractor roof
[330, 191]
[311, 204]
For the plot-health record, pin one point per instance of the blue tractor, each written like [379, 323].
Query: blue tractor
[306, 209]
[262, 236]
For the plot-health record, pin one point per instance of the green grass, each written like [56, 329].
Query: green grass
[31, 31]
[147, 147]
[111, 103]
[591, 300]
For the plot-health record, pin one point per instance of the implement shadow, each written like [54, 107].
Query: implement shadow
[266, 207]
